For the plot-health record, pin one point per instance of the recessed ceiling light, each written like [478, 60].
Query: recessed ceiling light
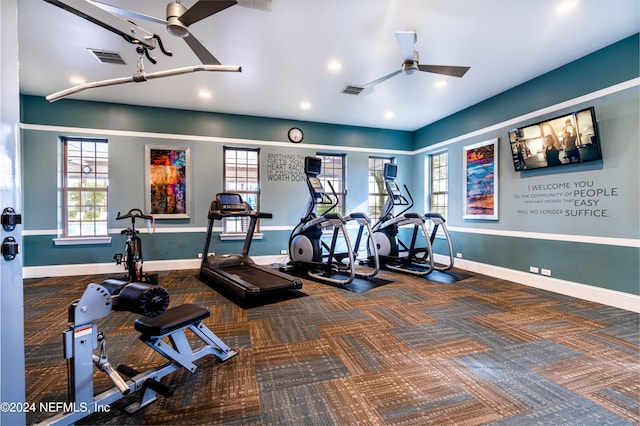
[334, 66]
[305, 105]
[441, 83]
[388, 115]
[204, 94]
[566, 6]
[77, 80]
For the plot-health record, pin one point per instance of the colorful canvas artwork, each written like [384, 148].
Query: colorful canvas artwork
[168, 183]
[480, 185]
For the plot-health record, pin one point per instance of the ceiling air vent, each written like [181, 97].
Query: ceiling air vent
[352, 90]
[107, 57]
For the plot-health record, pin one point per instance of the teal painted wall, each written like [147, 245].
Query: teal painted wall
[499, 243]
[525, 233]
[130, 128]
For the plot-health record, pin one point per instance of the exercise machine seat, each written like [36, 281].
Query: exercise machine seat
[170, 320]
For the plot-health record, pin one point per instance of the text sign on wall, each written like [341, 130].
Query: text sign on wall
[575, 199]
[285, 167]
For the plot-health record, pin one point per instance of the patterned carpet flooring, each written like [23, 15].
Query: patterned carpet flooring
[415, 351]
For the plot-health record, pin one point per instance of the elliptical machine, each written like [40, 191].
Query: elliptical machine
[393, 253]
[309, 253]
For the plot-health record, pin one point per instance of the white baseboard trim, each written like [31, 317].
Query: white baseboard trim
[112, 268]
[605, 296]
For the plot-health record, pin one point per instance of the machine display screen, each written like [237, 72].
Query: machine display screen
[230, 198]
[230, 202]
[312, 166]
[390, 171]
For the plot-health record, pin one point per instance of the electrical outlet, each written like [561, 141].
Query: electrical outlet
[284, 252]
[459, 255]
[199, 255]
[545, 272]
[533, 269]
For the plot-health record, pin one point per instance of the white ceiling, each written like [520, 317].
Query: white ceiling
[284, 54]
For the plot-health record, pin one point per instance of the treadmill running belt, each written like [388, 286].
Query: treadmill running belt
[260, 277]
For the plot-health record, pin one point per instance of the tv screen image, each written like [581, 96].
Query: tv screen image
[567, 139]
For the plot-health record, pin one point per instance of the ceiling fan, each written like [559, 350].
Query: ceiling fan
[410, 65]
[179, 19]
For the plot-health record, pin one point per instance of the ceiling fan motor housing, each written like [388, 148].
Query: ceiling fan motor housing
[174, 25]
[409, 67]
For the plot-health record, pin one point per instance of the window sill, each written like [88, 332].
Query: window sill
[233, 236]
[78, 241]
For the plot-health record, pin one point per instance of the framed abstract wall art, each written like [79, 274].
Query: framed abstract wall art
[168, 183]
[480, 192]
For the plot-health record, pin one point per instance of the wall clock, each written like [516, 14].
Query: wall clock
[295, 135]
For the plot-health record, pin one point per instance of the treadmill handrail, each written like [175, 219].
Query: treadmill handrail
[219, 214]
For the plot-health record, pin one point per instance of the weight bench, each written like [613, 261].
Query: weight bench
[163, 330]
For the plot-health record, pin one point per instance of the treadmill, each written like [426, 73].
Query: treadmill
[238, 273]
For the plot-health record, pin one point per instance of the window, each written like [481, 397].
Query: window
[242, 176]
[333, 170]
[85, 180]
[439, 183]
[377, 190]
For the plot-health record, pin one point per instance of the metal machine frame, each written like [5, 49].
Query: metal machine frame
[82, 338]
[305, 242]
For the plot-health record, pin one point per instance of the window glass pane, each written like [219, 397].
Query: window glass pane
[85, 184]
[439, 183]
[333, 172]
[73, 229]
[376, 186]
[241, 175]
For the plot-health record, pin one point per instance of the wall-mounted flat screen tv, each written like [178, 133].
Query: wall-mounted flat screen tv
[567, 139]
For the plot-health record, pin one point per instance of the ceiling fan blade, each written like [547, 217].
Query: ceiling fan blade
[201, 52]
[445, 70]
[203, 9]
[128, 13]
[256, 4]
[407, 41]
[381, 79]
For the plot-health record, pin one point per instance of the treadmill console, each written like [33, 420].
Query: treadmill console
[229, 202]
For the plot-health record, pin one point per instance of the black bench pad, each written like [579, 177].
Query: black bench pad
[170, 320]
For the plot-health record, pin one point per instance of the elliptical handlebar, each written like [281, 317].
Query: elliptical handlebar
[406, 202]
[334, 202]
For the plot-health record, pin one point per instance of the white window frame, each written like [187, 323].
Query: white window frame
[86, 169]
[371, 210]
[340, 184]
[244, 188]
[432, 197]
